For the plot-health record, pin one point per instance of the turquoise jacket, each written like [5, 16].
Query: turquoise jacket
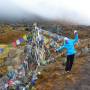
[69, 46]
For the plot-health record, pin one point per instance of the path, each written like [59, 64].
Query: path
[52, 77]
[84, 82]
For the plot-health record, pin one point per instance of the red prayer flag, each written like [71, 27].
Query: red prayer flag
[14, 44]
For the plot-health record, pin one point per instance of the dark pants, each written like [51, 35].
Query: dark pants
[69, 63]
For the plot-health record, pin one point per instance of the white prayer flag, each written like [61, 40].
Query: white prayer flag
[17, 42]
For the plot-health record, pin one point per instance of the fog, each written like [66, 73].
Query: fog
[76, 11]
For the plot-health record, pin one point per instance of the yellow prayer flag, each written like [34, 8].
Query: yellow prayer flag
[46, 40]
[25, 37]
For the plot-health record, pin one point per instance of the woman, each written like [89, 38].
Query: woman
[69, 46]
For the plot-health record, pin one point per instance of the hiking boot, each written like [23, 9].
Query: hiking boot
[66, 72]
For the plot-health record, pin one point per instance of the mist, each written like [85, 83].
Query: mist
[76, 11]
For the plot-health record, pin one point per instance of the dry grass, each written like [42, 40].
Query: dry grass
[10, 36]
[53, 79]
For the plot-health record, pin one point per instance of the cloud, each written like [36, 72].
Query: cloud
[72, 10]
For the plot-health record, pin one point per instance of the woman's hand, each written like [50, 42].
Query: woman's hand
[75, 32]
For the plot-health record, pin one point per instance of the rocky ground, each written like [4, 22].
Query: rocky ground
[52, 78]
[84, 82]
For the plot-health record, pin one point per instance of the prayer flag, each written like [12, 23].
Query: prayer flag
[1, 50]
[25, 37]
[14, 44]
[21, 40]
[10, 82]
[17, 42]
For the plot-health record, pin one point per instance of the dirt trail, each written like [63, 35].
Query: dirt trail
[84, 82]
[52, 77]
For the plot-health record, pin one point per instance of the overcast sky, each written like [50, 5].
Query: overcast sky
[71, 10]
